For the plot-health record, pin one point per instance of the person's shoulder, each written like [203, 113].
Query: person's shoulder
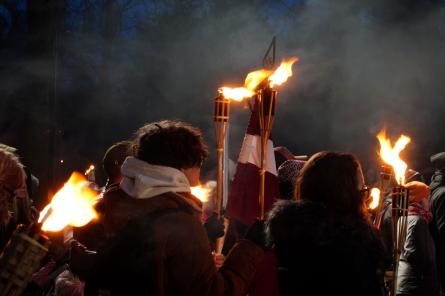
[291, 219]
[287, 209]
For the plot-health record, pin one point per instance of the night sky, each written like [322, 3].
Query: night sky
[79, 75]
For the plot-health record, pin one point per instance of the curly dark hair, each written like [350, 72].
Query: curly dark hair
[331, 179]
[170, 143]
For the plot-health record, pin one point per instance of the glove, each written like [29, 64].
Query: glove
[82, 261]
[257, 234]
[214, 227]
[417, 190]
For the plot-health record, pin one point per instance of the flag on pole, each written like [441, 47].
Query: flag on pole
[243, 204]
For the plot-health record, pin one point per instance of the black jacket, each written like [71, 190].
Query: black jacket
[437, 187]
[318, 255]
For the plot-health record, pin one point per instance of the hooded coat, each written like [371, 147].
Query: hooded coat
[318, 255]
[437, 225]
[159, 244]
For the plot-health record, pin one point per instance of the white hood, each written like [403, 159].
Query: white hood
[143, 180]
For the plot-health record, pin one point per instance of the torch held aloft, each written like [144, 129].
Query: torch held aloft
[267, 98]
[221, 119]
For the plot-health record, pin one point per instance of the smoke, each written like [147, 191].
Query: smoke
[363, 65]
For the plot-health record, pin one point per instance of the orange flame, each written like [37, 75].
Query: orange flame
[283, 72]
[201, 192]
[390, 154]
[253, 79]
[375, 195]
[71, 205]
[236, 94]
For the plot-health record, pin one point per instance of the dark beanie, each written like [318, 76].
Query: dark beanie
[438, 160]
[287, 173]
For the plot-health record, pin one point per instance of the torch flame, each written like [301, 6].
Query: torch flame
[91, 168]
[375, 195]
[71, 205]
[201, 192]
[255, 78]
[283, 72]
[390, 154]
[237, 94]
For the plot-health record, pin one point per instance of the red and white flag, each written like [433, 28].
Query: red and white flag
[242, 203]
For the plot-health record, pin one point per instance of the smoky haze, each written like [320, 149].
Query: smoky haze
[363, 65]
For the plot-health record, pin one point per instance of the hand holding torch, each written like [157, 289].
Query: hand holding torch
[72, 205]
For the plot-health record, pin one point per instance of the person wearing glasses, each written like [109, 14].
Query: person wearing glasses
[323, 238]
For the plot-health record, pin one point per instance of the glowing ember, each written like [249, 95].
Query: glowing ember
[390, 155]
[283, 72]
[201, 192]
[91, 168]
[375, 195]
[71, 205]
[237, 94]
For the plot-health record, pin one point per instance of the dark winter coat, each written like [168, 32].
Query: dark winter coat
[164, 249]
[322, 255]
[437, 187]
[417, 275]
[417, 268]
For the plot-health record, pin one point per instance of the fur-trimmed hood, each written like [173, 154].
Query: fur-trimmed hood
[322, 253]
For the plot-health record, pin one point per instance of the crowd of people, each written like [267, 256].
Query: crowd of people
[151, 238]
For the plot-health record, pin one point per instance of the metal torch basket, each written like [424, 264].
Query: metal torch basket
[21, 259]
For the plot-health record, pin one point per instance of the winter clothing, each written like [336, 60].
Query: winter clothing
[287, 174]
[181, 254]
[214, 227]
[159, 246]
[143, 180]
[437, 187]
[319, 254]
[417, 275]
[265, 282]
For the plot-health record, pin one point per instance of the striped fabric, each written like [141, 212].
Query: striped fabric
[242, 204]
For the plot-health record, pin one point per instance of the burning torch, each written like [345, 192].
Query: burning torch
[261, 83]
[221, 119]
[72, 205]
[221, 116]
[400, 196]
[267, 99]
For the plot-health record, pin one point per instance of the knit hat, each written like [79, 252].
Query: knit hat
[287, 173]
[438, 160]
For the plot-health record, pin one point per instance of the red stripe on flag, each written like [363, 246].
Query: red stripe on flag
[242, 203]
